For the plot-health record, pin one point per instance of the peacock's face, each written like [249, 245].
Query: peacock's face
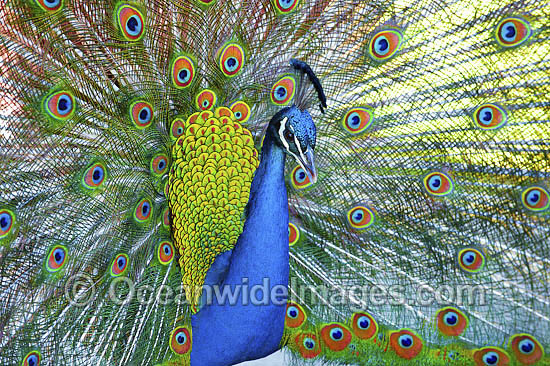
[296, 134]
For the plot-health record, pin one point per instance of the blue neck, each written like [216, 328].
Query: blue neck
[245, 330]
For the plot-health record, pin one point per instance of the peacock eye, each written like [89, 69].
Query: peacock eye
[438, 184]
[141, 114]
[295, 316]
[6, 222]
[406, 341]
[283, 90]
[165, 252]
[159, 165]
[335, 336]
[180, 341]
[205, 100]
[309, 343]
[119, 265]
[512, 32]
[56, 258]
[293, 234]
[385, 44]
[489, 117]
[364, 326]
[289, 135]
[60, 105]
[361, 217]
[32, 359]
[143, 210]
[183, 72]
[177, 128]
[241, 110]
[292, 312]
[130, 22]
[471, 260]
[50, 5]
[526, 346]
[535, 199]
[490, 358]
[363, 322]
[451, 321]
[94, 176]
[358, 120]
[232, 59]
[285, 6]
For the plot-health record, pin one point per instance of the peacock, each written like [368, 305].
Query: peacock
[205, 182]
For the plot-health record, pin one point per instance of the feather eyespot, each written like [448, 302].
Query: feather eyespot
[385, 44]
[358, 120]
[491, 356]
[285, 6]
[299, 178]
[490, 117]
[308, 345]
[7, 222]
[205, 100]
[293, 234]
[94, 176]
[283, 90]
[60, 105]
[451, 321]
[471, 260]
[143, 211]
[166, 217]
[361, 217]
[130, 22]
[241, 111]
[438, 184]
[159, 165]
[406, 343]
[295, 315]
[165, 252]
[141, 114]
[232, 59]
[363, 325]
[513, 31]
[119, 265]
[183, 72]
[535, 199]
[56, 259]
[177, 128]
[335, 336]
[32, 358]
[180, 340]
[526, 348]
[50, 5]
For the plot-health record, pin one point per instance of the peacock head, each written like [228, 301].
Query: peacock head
[295, 133]
[292, 127]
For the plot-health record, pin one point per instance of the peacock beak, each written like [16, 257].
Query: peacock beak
[306, 162]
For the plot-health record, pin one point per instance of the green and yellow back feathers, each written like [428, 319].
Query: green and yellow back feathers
[214, 162]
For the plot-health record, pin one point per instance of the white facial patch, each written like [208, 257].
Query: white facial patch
[283, 140]
[282, 128]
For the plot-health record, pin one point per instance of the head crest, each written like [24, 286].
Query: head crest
[301, 99]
